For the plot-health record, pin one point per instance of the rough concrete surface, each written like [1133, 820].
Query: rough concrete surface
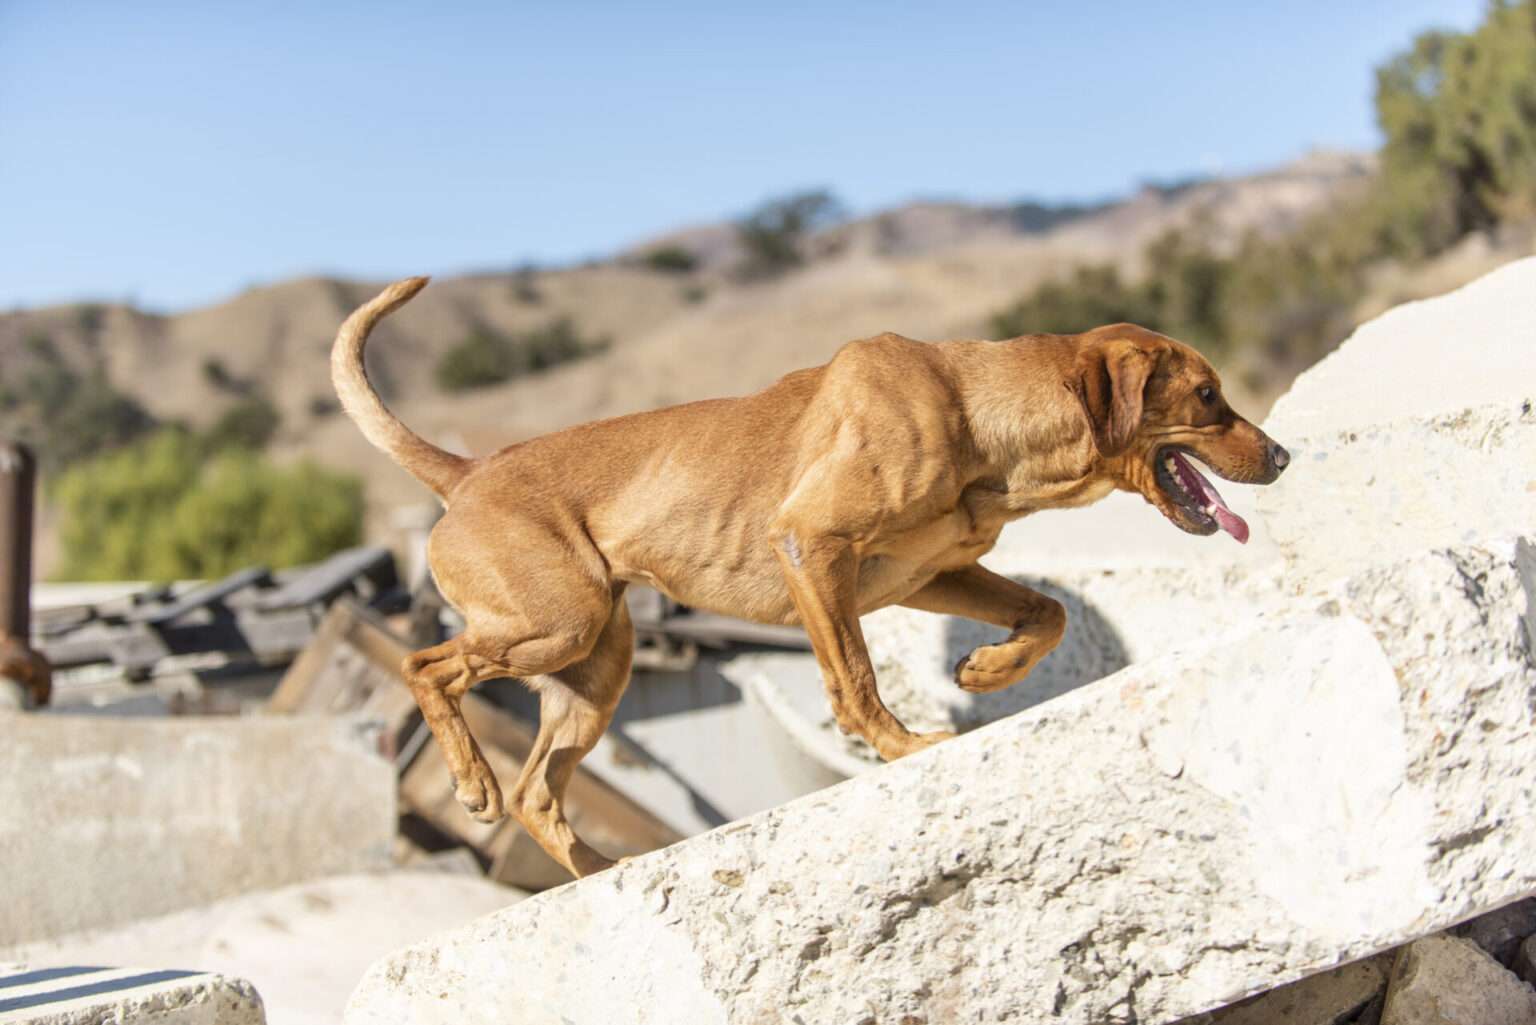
[1360, 496]
[1448, 979]
[303, 947]
[1470, 347]
[1419, 431]
[108, 820]
[1315, 787]
[89, 995]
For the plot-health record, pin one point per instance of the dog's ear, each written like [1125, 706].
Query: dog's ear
[1111, 384]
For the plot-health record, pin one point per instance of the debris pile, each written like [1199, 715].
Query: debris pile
[1320, 752]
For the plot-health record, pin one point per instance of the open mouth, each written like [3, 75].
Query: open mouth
[1195, 497]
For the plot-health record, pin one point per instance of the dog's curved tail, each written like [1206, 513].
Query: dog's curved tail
[434, 467]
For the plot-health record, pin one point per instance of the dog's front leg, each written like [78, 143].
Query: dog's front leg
[1036, 621]
[822, 573]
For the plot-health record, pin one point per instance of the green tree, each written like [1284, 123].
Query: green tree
[249, 423]
[1092, 296]
[773, 235]
[161, 509]
[671, 259]
[1459, 115]
[480, 360]
[486, 358]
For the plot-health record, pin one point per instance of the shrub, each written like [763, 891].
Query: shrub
[161, 509]
[525, 286]
[92, 417]
[249, 423]
[772, 235]
[486, 358]
[480, 360]
[671, 260]
[1090, 297]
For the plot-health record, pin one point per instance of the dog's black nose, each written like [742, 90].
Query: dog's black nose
[1279, 456]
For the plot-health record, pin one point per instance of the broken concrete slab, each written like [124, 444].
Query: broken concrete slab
[1471, 347]
[303, 947]
[162, 814]
[1353, 500]
[86, 995]
[1314, 788]
[1451, 979]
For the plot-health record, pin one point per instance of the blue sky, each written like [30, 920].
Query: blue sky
[172, 154]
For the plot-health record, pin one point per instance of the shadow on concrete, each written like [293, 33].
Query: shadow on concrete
[1091, 650]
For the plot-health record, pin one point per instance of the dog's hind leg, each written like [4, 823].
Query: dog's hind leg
[534, 612]
[1037, 623]
[575, 706]
[440, 676]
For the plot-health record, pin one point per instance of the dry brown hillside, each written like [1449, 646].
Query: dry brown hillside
[928, 270]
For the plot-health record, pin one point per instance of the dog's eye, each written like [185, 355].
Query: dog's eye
[1207, 394]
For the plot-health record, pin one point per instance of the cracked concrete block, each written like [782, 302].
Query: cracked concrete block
[1470, 347]
[162, 814]
[1353, 499]
[1309, 789]
[303, 946]
[84, 995]
[1445, 979]
[1389, 457]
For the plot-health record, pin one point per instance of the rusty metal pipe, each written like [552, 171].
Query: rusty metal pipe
[18, 662]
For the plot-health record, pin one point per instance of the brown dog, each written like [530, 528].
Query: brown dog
[877, 479]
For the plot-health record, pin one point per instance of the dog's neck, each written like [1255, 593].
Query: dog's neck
[1030, 448]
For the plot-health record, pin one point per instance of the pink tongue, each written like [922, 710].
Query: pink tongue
[1228, 520]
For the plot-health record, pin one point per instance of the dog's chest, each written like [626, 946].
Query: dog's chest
[899, 564]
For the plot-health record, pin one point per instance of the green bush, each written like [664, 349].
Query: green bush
[1092, 296]
[772, 235]
[249, 423]
[63, 414]
[480, 360]
[161, 509]
[486, 358]
[671, 259]
[1458, 111]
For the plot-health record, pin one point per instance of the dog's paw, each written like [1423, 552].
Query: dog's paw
[481, 797]
[996, 666]
[911, 744]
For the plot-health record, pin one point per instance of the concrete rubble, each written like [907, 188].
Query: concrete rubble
[1310, 752]
[1182, 833]
[303, 947]
[89, 995]
[161, 814]
[1450, 979]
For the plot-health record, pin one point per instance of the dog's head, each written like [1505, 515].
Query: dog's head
[1154, 406]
